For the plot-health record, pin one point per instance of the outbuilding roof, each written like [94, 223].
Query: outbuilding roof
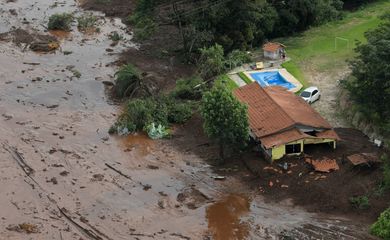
[276, 115]
[272, 46]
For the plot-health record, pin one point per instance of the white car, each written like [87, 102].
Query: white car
[311, 94]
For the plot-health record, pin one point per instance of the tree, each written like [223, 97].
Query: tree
[369, 85]
[225, 118]
[130, 82]
[211, 61]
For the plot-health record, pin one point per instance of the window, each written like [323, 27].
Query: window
[315, 92]
[293, 148]
[305, 94]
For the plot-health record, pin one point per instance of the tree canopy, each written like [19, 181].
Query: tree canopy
[239, 24]
[225, 118]
[370, 82]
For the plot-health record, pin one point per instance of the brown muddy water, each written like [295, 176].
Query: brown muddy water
[61, 173]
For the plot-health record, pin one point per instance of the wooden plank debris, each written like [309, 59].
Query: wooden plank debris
[363, 158]
[324, 165]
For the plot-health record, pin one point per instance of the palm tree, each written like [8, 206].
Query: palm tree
[129, 81]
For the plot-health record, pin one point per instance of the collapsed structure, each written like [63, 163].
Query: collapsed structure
[282, 122]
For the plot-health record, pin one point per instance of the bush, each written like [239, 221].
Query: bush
[360, 202]
[60, 21]
[381, 228]
[115, 36]
[144, 27]
[140, 114]
[156, 131]
[189, 88]
[211, 62]
[237, 58]
[179, 112]
[386, 172]
[129, 82]
[87, 21]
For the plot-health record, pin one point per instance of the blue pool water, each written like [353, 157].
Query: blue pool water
[271, 79]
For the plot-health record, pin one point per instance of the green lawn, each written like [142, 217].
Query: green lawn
[245, 78]
[226, 81]
[315, 48]
[293, 68]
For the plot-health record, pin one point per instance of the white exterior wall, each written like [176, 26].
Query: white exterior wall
[272, 55]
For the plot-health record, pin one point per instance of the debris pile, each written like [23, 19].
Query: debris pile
[36, 42]
[324, 165]
[363, 159]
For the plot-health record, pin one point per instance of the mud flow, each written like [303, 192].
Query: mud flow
[63, 177]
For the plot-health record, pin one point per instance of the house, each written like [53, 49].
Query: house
[274, 50]
[282, 122]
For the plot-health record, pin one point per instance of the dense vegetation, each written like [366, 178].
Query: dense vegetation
[235, 24]
[382, 226]
[60, 21]
[225, 118]
[369, 84]
[141, 114]
[130, 82]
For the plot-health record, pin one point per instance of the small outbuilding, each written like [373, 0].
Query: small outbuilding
[274, 50]
[282, 122]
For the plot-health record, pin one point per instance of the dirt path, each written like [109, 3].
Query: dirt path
[328, 83]
[66, 178]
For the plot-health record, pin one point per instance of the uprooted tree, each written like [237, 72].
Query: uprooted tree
[225, 118]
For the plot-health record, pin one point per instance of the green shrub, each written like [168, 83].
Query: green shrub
[60, 21]
[129, 82]
[156, 131]
[360, 202]
[211, 61]
[115, 36]
[139, 114]
[86, 21]
[386, 172]
[179, 112]
[237, 58]
[144, 28]
[381, 228]
[189, 88]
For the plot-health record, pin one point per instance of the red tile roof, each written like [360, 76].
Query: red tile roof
[265, 116]
[275, 115]
[281, 138]
[272, 46]
[301, 112]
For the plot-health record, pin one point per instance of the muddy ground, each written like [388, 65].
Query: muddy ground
[64, 177]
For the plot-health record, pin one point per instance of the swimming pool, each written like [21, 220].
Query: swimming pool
[271, 78]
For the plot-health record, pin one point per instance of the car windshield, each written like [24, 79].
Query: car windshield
[305, 94]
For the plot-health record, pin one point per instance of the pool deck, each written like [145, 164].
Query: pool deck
[284, 73]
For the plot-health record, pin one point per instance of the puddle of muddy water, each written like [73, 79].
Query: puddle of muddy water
[139, 143]
[60, 34]
[225, 218]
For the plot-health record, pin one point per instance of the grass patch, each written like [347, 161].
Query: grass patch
[226, 81]
[292, 68]
[245, 78]
[86, 22]
[315, 49]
